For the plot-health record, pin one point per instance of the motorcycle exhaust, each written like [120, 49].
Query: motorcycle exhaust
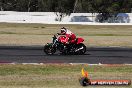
[79, 49]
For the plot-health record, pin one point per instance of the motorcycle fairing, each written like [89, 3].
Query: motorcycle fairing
[79, 40]
[63, 39]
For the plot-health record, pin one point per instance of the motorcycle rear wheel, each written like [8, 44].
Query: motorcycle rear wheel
[83, 50]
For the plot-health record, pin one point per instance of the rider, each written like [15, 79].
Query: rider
[70, 37]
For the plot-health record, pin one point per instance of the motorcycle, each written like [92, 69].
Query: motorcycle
[58, 43]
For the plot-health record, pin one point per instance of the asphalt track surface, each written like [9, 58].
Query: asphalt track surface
[35, 54]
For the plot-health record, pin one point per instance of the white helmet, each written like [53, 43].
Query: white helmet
[63, 30]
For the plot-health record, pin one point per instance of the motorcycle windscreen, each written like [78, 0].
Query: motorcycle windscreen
[79, 40]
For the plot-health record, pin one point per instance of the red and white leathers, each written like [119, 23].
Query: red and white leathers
[69, 36]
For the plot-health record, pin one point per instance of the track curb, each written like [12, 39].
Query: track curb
[109, 65]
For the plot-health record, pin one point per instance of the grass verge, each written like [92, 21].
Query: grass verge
[58, 75]
[40, 34]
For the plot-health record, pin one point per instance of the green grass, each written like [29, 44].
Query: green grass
[61, 76]
[58, 75]
[40, 34]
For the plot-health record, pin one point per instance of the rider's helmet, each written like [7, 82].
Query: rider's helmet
[63, 30]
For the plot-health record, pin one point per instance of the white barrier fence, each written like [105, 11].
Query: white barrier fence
[50, 18]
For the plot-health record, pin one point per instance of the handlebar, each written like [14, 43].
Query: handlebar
[57, 35]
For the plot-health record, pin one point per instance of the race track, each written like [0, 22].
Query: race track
[31, 54]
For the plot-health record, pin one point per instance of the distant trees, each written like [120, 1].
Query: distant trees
[19, 5]
[111, 8]
[63, 8]
[105, 8]
[60, 7]
[67, 5]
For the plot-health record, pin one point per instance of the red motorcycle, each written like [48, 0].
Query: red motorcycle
[58, 43]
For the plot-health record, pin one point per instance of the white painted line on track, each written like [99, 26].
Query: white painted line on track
[14, 63]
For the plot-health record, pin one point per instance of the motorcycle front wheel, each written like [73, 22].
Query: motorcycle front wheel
[49, 49]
